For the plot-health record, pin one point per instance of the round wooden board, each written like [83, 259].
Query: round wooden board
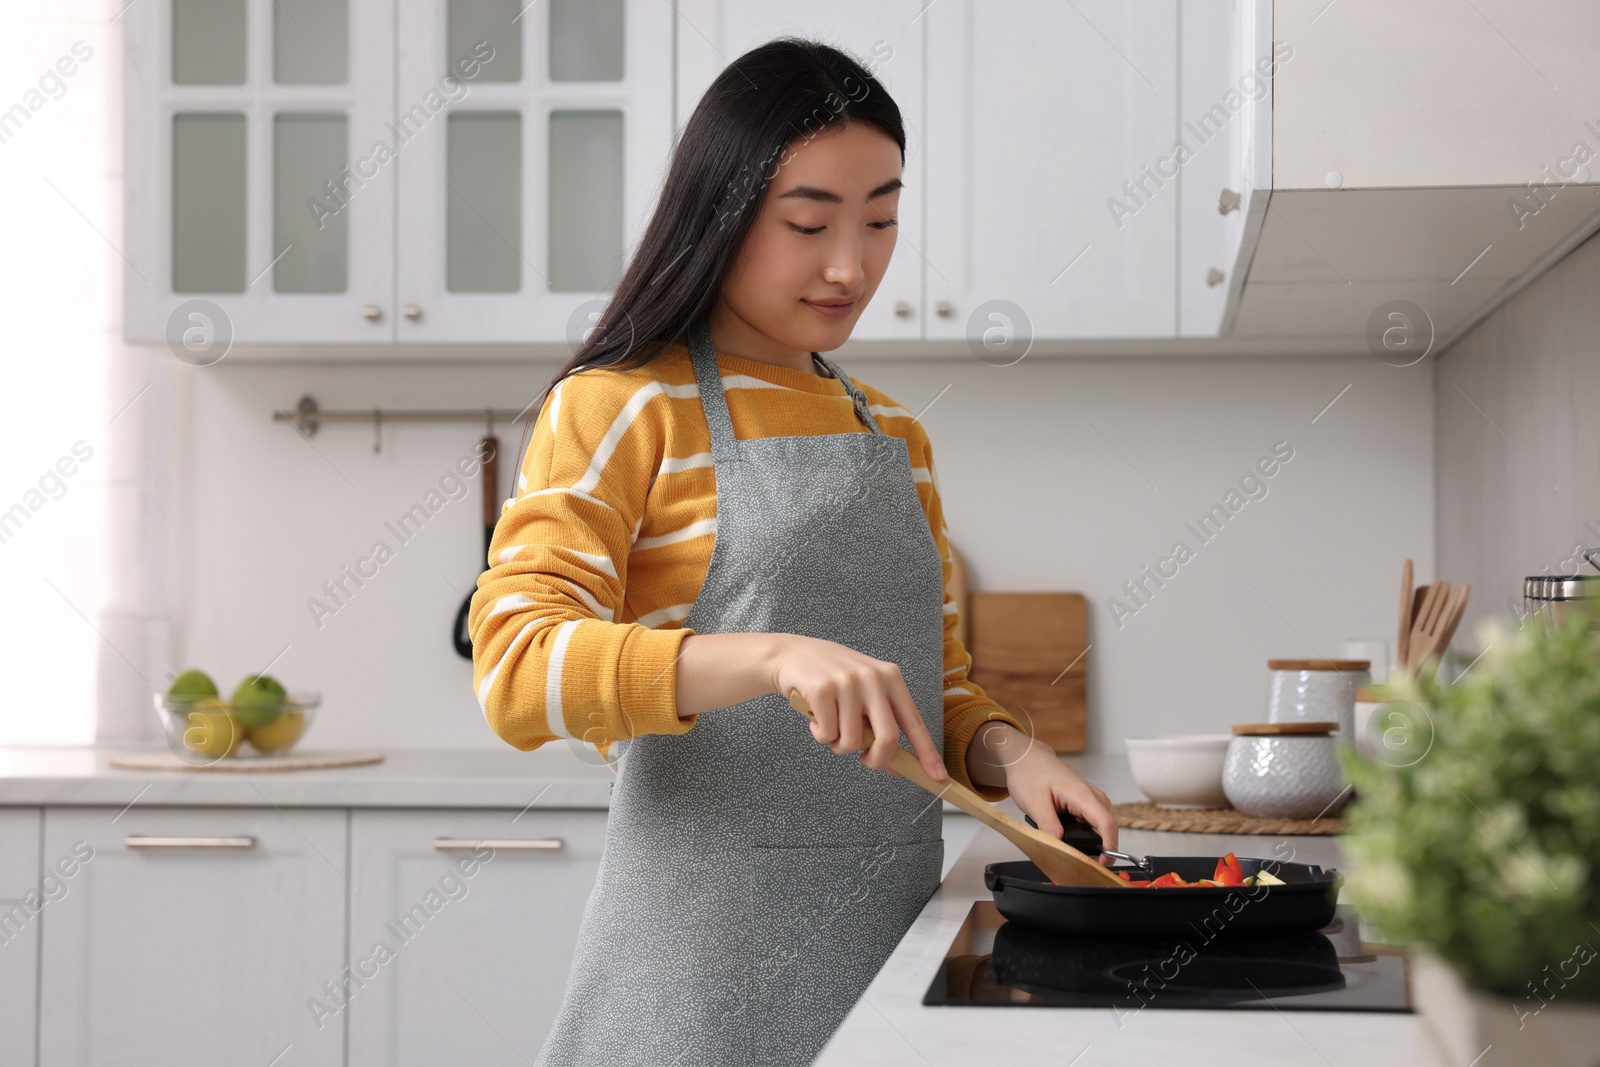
[1145, 816]
[298, 761]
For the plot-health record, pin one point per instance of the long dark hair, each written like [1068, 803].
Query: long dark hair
[786, 89]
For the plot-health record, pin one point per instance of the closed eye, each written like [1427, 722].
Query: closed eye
[810, 231]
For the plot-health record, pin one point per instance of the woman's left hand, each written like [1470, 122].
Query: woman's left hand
[1042, 786]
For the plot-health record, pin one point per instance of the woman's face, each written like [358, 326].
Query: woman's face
[823, 235]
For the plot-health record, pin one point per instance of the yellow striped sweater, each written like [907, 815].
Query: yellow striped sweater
[600, 552]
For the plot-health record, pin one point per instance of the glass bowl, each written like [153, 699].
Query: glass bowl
[202, 730]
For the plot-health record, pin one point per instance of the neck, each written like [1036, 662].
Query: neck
[737, 337]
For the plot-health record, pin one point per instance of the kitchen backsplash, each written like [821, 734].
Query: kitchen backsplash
[1069, 474]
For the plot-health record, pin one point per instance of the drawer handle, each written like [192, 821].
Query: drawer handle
[525, 844]
[143, 841]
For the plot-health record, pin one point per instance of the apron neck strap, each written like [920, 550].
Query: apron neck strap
[724, 445]
[857, 397]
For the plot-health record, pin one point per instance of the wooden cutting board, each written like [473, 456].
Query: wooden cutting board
[1028, 654]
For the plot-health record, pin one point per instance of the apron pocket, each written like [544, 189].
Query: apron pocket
[825, 920]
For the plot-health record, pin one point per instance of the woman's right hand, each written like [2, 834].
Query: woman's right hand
[846, 690]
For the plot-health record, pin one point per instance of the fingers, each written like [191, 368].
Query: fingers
[885, 733]
[824, 716]
[910, 721]
[1041, 806]
[1094, 808]
[849, 719]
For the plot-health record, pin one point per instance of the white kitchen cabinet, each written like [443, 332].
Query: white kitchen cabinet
[22, 902]
[193, 936]
[280, 155]
[520, 203]
[1041, 117]
[241, 120]
[1224, 170]
[1416, 190]
[478, 951]
[888, 39]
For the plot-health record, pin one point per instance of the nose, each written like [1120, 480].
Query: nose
[844, 264]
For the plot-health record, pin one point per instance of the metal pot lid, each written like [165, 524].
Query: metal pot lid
[1561, 586]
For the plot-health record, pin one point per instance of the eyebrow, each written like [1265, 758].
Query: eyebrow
[826, 196]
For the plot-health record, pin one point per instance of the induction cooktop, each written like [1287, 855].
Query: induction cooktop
[993, 963]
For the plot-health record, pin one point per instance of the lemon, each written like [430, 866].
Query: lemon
[282, 731]
[212, 729]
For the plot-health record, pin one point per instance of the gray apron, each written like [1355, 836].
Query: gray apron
[753, 882]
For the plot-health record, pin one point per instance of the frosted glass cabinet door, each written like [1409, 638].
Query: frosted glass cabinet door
[885, 37]
[260, 169]
[537, 140]
[1042, 118]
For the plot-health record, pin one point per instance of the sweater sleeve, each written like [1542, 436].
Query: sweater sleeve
[966, 707]
[549, 659]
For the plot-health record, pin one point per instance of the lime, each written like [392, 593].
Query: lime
[191, 685]
[258, 700]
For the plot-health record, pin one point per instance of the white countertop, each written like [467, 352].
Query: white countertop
[891, 1027]
[408, 778]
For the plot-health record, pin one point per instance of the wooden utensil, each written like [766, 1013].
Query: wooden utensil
[1444, 625]
[1407, 594]
[1455, 619]
[1431, 602]
[1059, 861]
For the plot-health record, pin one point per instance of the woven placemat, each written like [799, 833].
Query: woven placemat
[299, 761]
[1145, 816]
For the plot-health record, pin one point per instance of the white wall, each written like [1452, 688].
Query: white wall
[1037, 499]
[1519, 446]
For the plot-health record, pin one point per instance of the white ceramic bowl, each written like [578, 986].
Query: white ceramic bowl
[1180, 771]
[1285, 777]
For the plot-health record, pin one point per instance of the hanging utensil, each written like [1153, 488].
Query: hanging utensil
[1060, 862]
[489, 448]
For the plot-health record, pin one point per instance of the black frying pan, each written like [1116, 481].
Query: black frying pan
[489, 449]
[1304, 903]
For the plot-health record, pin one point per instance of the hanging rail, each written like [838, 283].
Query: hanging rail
[308, 416]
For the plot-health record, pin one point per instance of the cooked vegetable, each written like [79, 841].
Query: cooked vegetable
[1228, 873]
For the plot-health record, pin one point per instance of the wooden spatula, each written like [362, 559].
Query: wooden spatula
[1407, 594]
[1059, 861]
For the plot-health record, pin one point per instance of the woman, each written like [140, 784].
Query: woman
[709, 517]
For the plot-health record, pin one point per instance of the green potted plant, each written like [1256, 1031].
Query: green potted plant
[1476, 841]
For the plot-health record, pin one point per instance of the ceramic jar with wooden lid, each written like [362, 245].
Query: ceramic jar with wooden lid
[1284, 770]
[1317, 690]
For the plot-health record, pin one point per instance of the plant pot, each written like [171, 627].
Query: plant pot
[1490, 1030]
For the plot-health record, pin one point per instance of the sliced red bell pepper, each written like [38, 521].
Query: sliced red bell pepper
[1228, 871]
[1171, 878]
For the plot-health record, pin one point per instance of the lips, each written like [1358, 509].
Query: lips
[833, 309]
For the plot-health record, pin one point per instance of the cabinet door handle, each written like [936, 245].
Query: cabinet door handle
[412, 312]
[902, 308]
[524, 844]
[149, 841]
[944, 308]
[372, 312]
